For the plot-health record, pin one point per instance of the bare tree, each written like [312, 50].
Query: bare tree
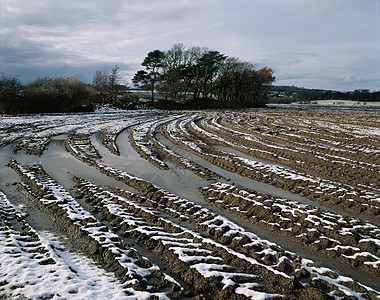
[100, 84]
[114, 84]
[107, 85]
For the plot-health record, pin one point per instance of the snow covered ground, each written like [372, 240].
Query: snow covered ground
[115, 226]
[346, 103]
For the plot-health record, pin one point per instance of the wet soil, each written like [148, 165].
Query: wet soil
[189, 226]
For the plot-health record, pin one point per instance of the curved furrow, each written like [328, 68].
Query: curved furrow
[229, 242]
[35, 265]
[208, 269]
[152, 192]
[112, 132]
[139, 137]
[136, 272]
[297, 138]
[344, 196]
[270, 146]
[346, 239]
[174, 242]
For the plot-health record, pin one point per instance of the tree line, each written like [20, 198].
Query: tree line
[287, 94]
[357, 95]
[176, 78]
[199, 75]
[61, 94]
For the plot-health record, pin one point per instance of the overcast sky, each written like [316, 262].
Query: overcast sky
[328, 44]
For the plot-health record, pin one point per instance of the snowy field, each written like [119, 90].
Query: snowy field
[256, 204]
[346, 103]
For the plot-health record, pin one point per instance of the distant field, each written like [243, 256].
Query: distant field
[345, 103]
[249, 204]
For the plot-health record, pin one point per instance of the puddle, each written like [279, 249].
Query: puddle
[61, 137]
[175, 180]
[6, 174]
[260, 187]
[236, 178]
[59, 164]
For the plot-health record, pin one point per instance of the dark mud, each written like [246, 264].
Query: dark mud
[193, 227]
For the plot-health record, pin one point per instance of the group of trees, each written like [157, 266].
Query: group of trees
[196, 77]
[61, 94]
[107, 87]
[180, 78]
[199, 73]
[11, 92]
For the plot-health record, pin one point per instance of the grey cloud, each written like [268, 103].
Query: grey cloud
[287, 76]
[355, 79]
[309, 43]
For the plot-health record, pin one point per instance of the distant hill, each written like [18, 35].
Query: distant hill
[293, 93]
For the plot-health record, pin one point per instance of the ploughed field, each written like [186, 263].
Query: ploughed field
[191, 205]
